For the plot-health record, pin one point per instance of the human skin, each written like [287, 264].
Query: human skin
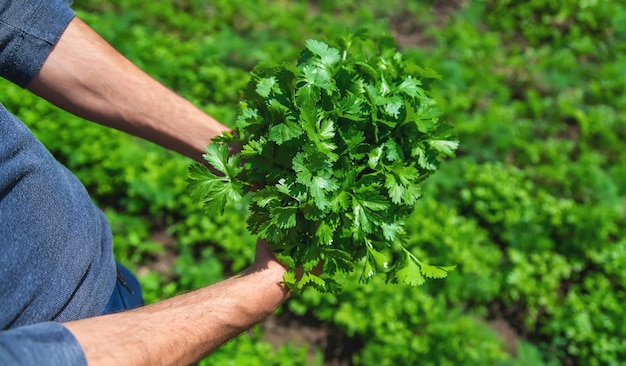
[183, 329]
[87, 77]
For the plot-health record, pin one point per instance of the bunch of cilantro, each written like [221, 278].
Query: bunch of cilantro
[333, 151]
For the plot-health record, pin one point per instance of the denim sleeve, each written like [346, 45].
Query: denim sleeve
[28, 30]
[47, 343]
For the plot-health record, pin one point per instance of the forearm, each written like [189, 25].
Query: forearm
[85, 76]
[185, 328]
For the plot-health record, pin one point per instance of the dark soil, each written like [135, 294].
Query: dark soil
[289, 328]
[410, 31]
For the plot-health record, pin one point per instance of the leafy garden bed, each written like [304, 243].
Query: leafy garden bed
[532, 210]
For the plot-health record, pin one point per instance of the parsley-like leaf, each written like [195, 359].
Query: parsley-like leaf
[334, 150]
[328, 56]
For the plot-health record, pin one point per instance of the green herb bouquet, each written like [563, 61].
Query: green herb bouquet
[333, 151]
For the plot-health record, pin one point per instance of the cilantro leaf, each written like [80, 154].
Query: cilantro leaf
[435, 271]
[409, 274]
[320, 186]
[334, 150]
[285, 216]
[445, 147]
[213, 191]
[284, 132]
[265, 86]
[329, 56]
[318, 77]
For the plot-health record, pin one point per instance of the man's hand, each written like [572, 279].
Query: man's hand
[183, 329]
[87, 77]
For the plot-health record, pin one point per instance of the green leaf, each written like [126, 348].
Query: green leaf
[393, 105]
[337, 260]
[340, 201]
[279, 111]
[266, 196]
[354, 144]
[369, 198]
[325, 233]
[319, 187]
[425, 72]
[247, 117]
[318, 77]
[266, 227]
[284, 132]
[361, 222]
[334, 148]
[364, 210]
[351, 107]
[380, 260]
[266, 86]
[211, 190]
[411, 87]
[411, 194]
[300, 166]
[435, 271]
[396, 189]
[410, 274]
[285, 216]
[374, 157]
[283, 187]
[306, 98]
[289, 278]
[387, 44]
[445, 147]
[326, 129]
[392, 230]
[425, 159]
[394, 151]
[426, 114]
[369, 271]
[217, 156]
[401, 184]
[311, 279]
[329, 56]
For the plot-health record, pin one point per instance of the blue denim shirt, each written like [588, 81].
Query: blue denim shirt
[56, 261]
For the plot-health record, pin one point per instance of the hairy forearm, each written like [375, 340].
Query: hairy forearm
[185, 328]
[87, 77]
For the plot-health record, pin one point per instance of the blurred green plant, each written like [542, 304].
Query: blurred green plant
[533, 210]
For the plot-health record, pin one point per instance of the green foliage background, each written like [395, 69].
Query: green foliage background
[532, 211]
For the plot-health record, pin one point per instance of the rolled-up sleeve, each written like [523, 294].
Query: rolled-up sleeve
[28, 30]
[47, 343]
